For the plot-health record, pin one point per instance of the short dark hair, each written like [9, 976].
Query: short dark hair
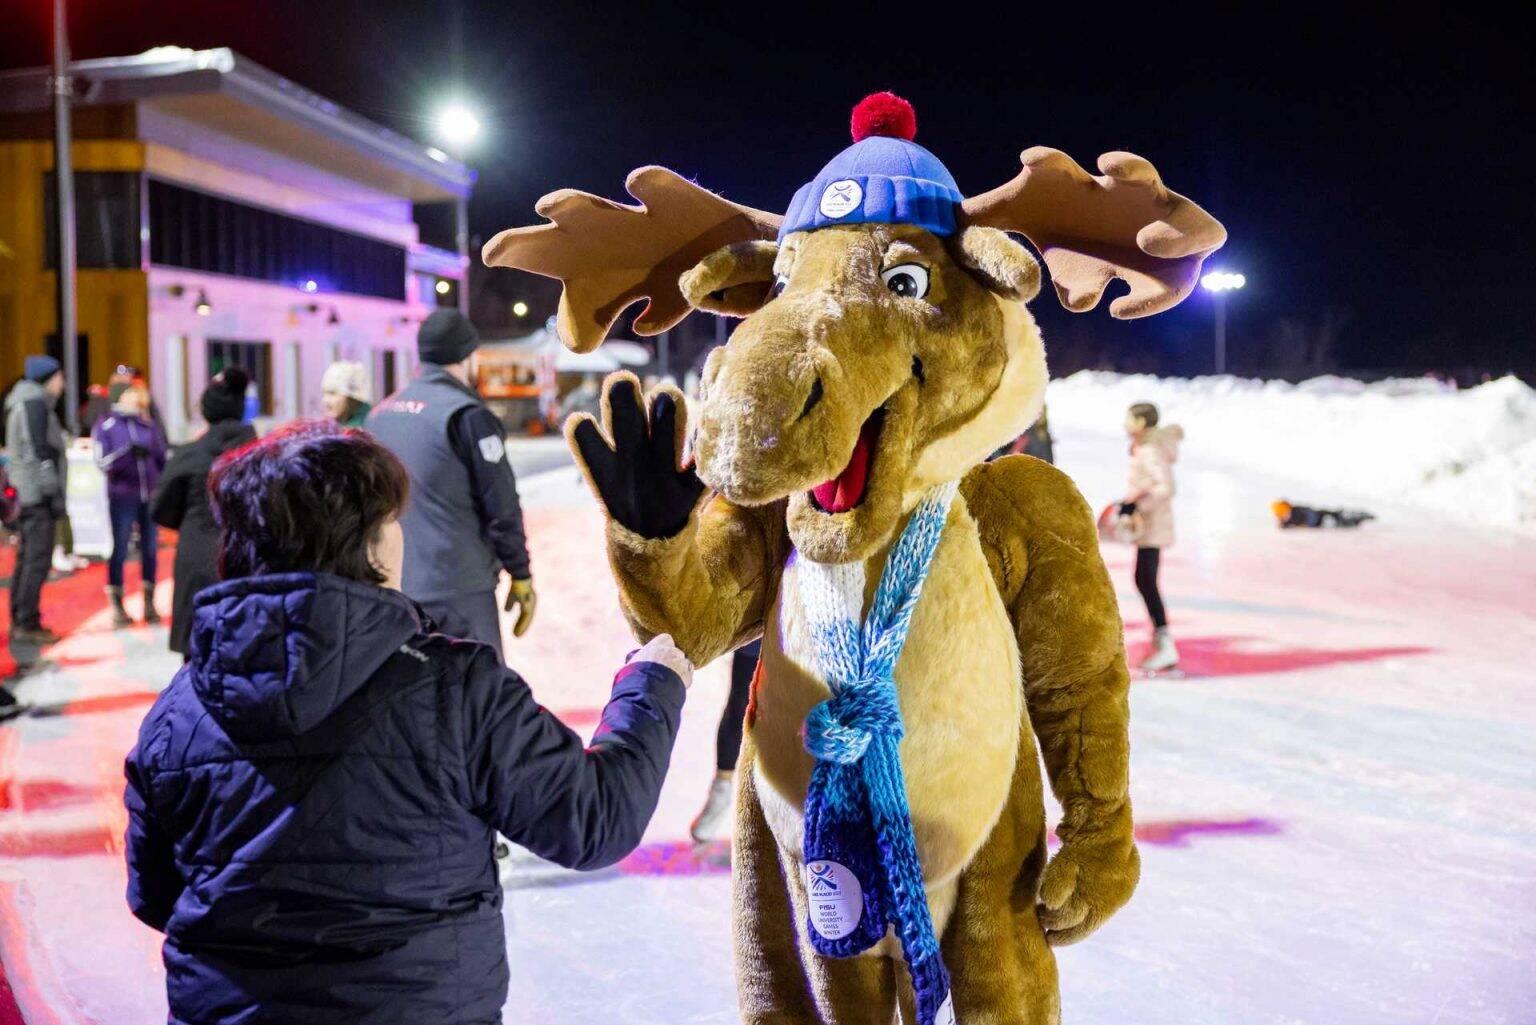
[1145, 412]
[309, 497]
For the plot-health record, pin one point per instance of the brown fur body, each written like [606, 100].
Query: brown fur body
[975, 786]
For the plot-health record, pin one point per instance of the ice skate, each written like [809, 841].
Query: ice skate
[712, 817]
[11, 706]
[1164, 659]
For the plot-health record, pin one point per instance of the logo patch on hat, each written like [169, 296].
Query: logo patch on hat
[841, 198]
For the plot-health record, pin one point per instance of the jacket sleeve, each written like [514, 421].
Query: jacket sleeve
[110, 445]
[530, 776]
[154, 884]
[168, 505]
[480, 441]
[1156, 477]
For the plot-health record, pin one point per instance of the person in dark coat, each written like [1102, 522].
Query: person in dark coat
[465, 523]
[180, 502]
[130, 450]
[312, 801]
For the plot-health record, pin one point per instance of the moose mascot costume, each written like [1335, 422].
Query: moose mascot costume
[934, 626]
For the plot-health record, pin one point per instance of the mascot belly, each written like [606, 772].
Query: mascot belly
[961, 704]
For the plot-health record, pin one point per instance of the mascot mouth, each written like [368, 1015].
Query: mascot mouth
[846, 490]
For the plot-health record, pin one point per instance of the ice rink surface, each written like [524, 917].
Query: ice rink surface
[1336, 806]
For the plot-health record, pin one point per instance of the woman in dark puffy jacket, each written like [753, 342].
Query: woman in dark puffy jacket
[313, 800]
[180, 502]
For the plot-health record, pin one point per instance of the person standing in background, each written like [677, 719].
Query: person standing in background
[130, 449]
[708, 824]
[464, 523]
[39, 471]
[345, 394]
[180, 503]
[1149, 494]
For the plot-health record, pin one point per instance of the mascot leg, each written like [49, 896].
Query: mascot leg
[781, 980]
[770, 981]
[1003, 972]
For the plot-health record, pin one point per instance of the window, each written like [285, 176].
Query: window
[106, 220]
[387, 373]
[195, 230]
[255, 358]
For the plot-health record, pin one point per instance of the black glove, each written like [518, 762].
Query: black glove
[57, 508]
[140, 451]
[1127, 508]
[637, 474]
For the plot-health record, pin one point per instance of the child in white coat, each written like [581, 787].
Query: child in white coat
[1149, 493]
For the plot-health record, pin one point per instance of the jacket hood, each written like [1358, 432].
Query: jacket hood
[274, 656]
[26, 391]
[1166, 438]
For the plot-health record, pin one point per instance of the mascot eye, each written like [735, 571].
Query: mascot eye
[908, 280]
[779, 284]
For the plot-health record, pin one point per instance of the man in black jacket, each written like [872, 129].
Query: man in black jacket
[464, 524]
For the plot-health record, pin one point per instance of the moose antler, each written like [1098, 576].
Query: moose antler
[610, 256]
[1122, 224]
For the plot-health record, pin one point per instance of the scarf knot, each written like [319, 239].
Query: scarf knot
[840, 728]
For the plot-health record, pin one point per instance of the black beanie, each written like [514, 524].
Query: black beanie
[446, 337]
[224, 398]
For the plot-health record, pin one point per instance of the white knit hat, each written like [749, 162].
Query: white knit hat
[344, 377]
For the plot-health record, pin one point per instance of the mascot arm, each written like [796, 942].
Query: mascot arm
[688, 563]
[709, 584]
[1041, 541]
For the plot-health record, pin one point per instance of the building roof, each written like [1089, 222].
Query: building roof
[234, 96]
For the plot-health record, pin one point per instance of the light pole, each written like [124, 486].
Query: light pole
[457, 125]
[1219, 283]
[64, 202]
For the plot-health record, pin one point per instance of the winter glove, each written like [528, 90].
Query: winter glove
[661, 650]
[636, 473]
[57, 507]
[140, 451]
[520, 596]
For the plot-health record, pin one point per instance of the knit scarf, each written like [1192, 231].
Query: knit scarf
[862, 871]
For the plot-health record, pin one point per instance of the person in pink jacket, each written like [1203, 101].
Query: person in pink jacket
[1149, 494]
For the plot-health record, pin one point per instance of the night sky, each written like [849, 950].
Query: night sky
[1374, 173]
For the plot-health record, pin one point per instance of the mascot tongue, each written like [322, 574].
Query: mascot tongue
[846, 490]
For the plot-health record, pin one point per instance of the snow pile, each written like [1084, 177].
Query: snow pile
[1471, 454]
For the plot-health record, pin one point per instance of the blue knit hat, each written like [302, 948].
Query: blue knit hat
[39, 368]
[883, 178]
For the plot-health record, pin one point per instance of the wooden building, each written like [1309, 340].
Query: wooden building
[225, 215]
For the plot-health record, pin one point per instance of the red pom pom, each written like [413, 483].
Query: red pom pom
[883, 114]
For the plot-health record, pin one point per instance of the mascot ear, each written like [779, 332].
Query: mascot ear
[734, 280]
[1002, 264]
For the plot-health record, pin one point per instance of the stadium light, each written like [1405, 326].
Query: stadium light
[458, 125]
[520, 309]
[1219, 283]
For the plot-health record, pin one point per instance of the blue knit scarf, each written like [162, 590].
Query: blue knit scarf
[862, 872]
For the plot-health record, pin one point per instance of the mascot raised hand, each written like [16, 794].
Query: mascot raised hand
[934, 627]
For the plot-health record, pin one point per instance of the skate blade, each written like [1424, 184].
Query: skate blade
[1173, 673]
